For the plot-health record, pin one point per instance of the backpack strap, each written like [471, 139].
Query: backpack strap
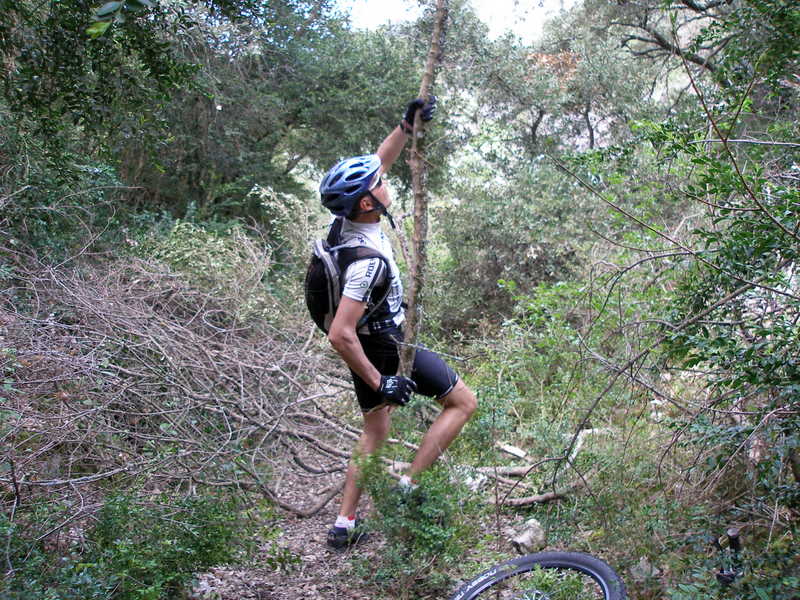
[345, 255]
[335, 232]
[350, 254]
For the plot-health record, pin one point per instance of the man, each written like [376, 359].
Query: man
[354, 189]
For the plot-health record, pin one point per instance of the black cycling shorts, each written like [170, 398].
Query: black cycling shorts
[431, 374]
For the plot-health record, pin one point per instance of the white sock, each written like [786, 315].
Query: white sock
[345, 521]
[407, 483]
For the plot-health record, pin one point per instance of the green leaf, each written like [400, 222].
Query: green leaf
[107, 9]
[98, 28]
[762, 594]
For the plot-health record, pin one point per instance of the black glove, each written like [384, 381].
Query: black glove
[427, 108]
[396, 389]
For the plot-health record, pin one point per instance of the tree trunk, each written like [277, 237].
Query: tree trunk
[418, 257]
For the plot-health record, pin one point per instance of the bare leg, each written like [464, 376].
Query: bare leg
[376, 430]
[458, 407]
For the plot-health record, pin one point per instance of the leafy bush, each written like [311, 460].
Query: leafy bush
[135, 551]
[227, 264]
[51, 202]
[520, 230]
[426, 529]
[770, 573]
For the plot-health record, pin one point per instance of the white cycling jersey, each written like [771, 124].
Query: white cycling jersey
[361, 276]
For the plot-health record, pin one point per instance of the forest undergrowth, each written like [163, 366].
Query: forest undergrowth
[613, 270]
[179, 392]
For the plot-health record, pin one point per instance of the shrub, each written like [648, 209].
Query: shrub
[135, 551]
[227, 264]
[426, 529]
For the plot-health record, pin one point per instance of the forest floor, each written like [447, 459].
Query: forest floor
[297, 563]
[306, 567]
[318, 571]
[322, 572]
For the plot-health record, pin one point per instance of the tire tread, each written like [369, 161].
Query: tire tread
[586, 563]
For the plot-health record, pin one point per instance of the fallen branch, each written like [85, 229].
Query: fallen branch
[304, 512]
[535, 499]
[557, 494]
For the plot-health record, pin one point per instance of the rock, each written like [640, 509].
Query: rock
[531, 538]
[512, 450]
[644, 570]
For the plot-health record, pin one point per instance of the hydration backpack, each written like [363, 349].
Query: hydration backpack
[324, 283]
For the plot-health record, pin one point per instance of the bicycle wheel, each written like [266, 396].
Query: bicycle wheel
[546, 576]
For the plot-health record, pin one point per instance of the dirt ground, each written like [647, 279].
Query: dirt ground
[321, 573]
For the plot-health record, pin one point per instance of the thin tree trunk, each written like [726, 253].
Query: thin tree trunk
[416, 161]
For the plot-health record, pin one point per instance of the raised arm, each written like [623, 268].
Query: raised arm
[390, 149]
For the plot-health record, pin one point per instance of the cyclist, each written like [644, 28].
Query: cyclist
[354, 189]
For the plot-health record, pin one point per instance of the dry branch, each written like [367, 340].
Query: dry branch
[535, 499]
[130, 373]
[556, 494]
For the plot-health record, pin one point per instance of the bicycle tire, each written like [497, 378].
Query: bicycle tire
[600, 572]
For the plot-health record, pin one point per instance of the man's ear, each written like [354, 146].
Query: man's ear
[365, 203]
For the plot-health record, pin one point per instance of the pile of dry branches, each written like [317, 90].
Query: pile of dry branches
[124, 375]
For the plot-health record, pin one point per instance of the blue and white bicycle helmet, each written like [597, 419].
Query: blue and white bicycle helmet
[347, 182]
